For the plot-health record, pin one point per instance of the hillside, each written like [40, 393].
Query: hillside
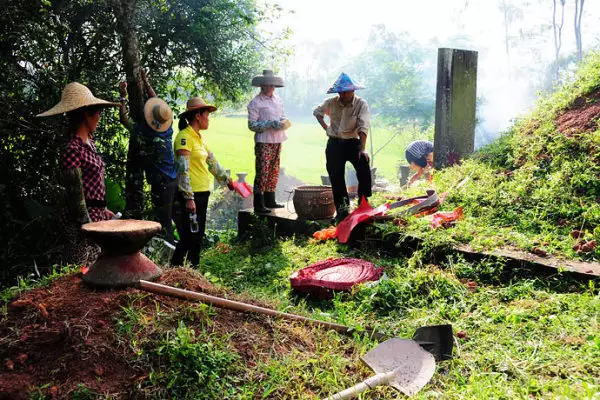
[538, 186]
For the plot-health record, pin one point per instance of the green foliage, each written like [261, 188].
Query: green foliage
[193, 365]
[533, 186]
[398, 73]
[410, 289]
[189, 47]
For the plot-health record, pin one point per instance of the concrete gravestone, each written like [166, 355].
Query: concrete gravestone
[455, 106]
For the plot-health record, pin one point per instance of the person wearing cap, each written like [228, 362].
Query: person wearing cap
[266, 118]
[81, 171]
[347, 131]
[419, 155]
[155, 134]
[195, 164]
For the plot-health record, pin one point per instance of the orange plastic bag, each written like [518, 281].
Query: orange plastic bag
[325, 234]
[444, 218]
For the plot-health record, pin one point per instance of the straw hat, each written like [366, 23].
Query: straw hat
[196, 103]
[267, 78]
[158, 114]
[345, 84]
[75, 96]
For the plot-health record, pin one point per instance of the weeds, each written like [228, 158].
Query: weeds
[193, 365]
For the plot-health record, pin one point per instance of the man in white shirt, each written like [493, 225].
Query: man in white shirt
[349, 123]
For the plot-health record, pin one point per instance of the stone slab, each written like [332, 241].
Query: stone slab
[284, 221]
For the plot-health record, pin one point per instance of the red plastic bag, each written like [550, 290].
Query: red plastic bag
[364, 212]
[243, 189]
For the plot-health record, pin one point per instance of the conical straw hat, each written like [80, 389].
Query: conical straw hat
[196, 103]
[74, 96]
[158, 114]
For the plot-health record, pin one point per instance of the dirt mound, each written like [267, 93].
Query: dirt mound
[581, 117]
[57, 337]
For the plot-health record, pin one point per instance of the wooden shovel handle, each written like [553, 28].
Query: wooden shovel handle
[357, 389]
[239, 306]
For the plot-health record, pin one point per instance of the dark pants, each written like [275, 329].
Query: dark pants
[190, 243]
[163, 190]
[338, 152]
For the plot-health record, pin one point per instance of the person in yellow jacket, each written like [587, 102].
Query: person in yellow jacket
[195, 165]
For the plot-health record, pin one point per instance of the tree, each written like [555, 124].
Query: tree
[510, 13]
[46, 44]
[126, 26]
[557, 29]
[398, 73]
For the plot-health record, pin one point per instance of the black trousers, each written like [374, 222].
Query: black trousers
[337, 153]
[190, 243]
[163, 190]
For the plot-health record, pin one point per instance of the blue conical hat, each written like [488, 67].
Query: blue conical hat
[345, 84]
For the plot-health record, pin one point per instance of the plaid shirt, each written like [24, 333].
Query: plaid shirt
[84, 156]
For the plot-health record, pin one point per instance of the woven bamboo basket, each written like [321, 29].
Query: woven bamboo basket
[314, 202]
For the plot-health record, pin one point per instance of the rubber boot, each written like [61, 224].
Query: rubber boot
[270, 200]
[259, 204]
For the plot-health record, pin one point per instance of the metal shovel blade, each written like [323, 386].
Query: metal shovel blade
[413, 367]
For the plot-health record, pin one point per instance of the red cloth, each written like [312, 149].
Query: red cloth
[364, 212]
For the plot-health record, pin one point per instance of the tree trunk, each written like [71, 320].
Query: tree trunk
[577, 25]
[558, 36]
[504, 8]
[125, 14]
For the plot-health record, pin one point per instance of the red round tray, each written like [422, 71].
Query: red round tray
[334, 274]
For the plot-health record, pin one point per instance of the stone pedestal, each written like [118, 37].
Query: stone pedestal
[455, 106]
[121, 263]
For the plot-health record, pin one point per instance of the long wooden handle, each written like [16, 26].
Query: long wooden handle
[357, 389]
[242, 307]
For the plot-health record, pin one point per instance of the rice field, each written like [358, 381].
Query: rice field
[303, 154]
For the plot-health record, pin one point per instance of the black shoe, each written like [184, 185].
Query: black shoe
[341, 215]
[270, 201]
[259, 204]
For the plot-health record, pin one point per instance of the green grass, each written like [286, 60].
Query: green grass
[525, 337]
[533, 187]
[521, 336]
[303, 154]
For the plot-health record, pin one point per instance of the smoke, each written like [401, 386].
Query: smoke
[514, 39]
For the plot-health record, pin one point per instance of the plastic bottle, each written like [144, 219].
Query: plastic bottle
[194, 228]
[117, 216]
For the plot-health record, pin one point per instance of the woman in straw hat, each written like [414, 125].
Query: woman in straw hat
[267, 120]
[82, 170]
[155, 134]
[195, 164]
